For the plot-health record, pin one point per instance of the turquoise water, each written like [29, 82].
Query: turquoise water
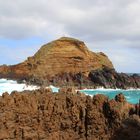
[132, 96]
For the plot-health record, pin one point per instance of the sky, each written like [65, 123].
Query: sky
[109, 26]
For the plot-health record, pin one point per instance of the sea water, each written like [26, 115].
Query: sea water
[10, 85]
[131, 95]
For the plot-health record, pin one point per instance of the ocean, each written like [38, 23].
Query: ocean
[132, 95]
[130, 74]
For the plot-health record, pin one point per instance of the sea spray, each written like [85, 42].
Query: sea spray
[11, 85]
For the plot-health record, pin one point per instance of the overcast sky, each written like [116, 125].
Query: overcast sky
[110, 26]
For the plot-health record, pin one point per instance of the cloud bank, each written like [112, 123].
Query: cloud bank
[105, 25]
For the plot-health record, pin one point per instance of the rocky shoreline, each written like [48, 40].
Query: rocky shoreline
[106, 78]
[67, 115]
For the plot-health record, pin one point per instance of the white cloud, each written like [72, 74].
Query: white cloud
[102, 19]
[97, 22]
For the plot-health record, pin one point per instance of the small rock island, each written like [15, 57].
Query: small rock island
[68, 62]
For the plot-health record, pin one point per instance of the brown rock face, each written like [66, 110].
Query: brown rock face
[120, 98]
[42, 115]
[129, 130]
[65, 55]
[17, 72]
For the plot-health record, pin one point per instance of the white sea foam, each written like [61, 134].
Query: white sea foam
[10, 85]
[127, 97]
[89, 95]
[109, 89]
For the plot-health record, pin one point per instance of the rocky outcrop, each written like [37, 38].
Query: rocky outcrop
[16, 72]
[60, 58]
[67, 115]
[108, 78]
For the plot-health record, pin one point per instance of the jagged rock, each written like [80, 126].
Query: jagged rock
[43, 115]
[109, 78]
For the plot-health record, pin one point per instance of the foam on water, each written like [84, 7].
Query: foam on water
[10, 85]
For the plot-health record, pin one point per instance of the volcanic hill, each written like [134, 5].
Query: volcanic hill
[65, 55]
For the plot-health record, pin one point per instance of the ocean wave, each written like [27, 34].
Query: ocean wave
[131, 95]
[11, 85]
[109, 89]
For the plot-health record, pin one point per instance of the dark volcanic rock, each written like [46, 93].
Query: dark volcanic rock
[109, 78]
[41, 115]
